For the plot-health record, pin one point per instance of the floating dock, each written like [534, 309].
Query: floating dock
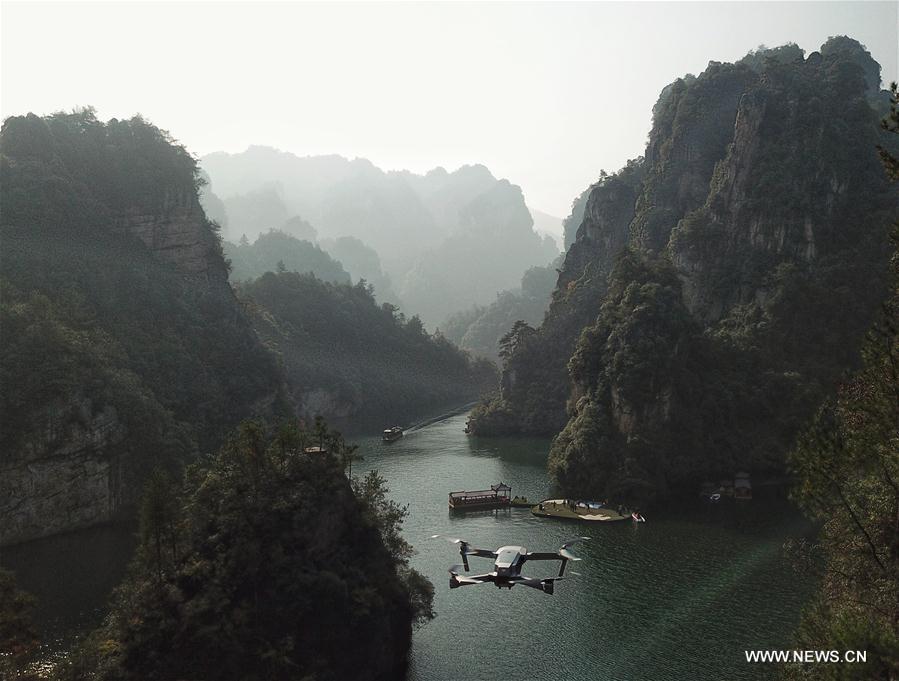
[574, 510]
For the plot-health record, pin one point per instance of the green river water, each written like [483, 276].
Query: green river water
[679, 597]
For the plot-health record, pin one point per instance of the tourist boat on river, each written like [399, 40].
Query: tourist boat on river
[498, 496]
[392, 434]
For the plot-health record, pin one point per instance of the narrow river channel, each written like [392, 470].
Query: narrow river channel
[679, 597]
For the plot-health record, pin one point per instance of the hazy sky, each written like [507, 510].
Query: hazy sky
[545, 94]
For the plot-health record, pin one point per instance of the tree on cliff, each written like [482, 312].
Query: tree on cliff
[516, 338]
[280, 563]
[848, 466]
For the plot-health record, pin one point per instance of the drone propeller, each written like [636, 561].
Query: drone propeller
[565, 553]
[575, 540]
[454, 569]
[463, 547]
[451, 540]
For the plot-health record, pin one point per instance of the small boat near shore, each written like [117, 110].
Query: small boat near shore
[392, 434]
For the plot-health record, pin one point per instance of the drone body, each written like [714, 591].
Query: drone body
[508, 562]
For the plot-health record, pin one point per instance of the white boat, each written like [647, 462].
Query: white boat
[392, 434]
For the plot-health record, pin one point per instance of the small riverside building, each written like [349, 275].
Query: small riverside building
[742, 486]
[498, 496]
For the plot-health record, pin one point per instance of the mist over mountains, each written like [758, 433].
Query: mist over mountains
[127, 347]
[242, 395]
[444, 241]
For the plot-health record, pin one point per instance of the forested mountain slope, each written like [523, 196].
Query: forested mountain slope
[276, 250]
[446, 240]
[480, 330]
[718, 286]
[123, 346]
[260, 565]
[355, 361]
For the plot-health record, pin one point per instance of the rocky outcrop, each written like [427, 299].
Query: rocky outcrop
[319, 401]
[124, 348]
[65, 477]
[693, 124]
[604, 229]
[791, 181]
[177, 231]
[717, 290]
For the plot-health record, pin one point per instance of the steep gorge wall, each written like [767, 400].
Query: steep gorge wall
[124, 348]
[67, 477]
[697, 338]
[177, 231]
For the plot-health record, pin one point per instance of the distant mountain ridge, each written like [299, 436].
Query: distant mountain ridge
[446, 240]
[124, 348]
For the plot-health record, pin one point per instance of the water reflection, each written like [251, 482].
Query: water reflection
[71, 576]
[679, 597]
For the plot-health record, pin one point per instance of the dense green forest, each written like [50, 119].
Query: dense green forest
[362, 262]
[127, 356]
[276, 250]
[480, 328]
[125, 348]
[100, 317]
[263, 564]
[718, 286]
[325, 336]
[294, 248]
[847, 463]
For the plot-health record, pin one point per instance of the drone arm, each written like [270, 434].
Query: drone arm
[541, 555]
[544, 585]
[456, 581]
[480, 553]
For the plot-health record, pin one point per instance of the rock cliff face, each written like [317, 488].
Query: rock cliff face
[67, 476]
[692, 126]
[177, 231]
[123, 349]
[717, 287]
